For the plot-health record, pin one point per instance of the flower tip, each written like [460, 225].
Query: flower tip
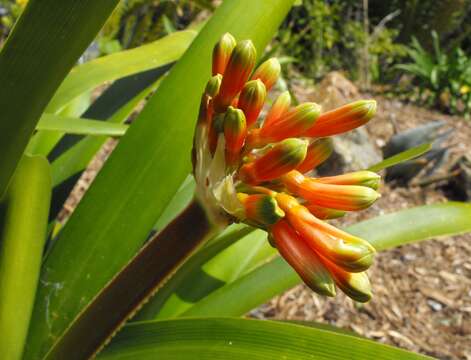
[212, 87]
[236, 74]
[362, 263]
[261, 209]
[357, 286]
[222, 52]
[325, 289]
[369, 107]
[251, 100]
[268, 72]
[279, 159]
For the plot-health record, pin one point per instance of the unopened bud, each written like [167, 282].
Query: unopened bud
[235, 131]
[268, 72]
[213, 85]
[361, 178]
[324, 213]
[292, 124]
[222, 52]
[343, 119]
[317, 152]
[260, 208]
[278, 109]
[340, 197]
[345, 250]
[302, 258]
[276, 161]
[251, 100]
[355, 285]
[236, 74]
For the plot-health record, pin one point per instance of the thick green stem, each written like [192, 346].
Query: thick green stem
[23, 222]
[134, 285]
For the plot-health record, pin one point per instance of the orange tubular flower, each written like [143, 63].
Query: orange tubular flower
[235, 130]
[317, 152]
[324, 213]
[222, 52]
[236, 74]
[250, 170]
[292, 124]
[305, 261]
[261, 209]
[268, 72]
[280, 107]
[345, 118]
[282, 157]
[340, 197]
[251, 100]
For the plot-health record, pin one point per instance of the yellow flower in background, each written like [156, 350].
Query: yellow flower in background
[21, 3]
[465, 89]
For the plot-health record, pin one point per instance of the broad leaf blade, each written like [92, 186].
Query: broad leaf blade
[140, 177]
[239, 339]
[276, 276]
[46, 42]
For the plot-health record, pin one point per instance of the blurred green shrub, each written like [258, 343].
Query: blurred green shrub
[135, 22]
[9, 12]
[443, 79]
[329, 35]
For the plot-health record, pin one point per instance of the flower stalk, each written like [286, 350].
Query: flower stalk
[144, 274]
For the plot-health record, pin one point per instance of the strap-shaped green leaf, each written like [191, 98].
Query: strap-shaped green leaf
[80, 126]
[401, 157]
[276, 276]
[241, 339]
[23, 222]
[108, 68]
[140, 177]
[76, 159]
[45, 43]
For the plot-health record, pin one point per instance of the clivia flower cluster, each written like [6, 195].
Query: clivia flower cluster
[253, 170]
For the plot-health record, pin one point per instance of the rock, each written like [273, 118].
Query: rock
[354, 150]
[461, 184]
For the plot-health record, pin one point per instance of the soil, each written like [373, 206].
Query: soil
[422, 292]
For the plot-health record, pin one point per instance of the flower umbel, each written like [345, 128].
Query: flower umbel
[254, 169]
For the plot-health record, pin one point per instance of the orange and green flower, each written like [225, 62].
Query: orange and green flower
[256, 166]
